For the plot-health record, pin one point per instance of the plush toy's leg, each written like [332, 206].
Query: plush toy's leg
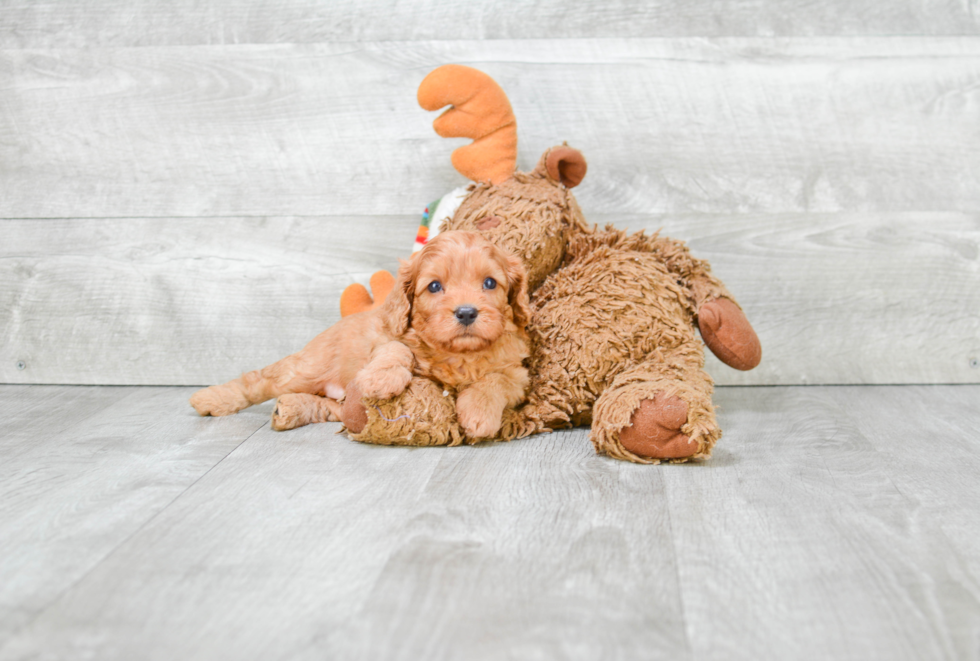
[724, 327]
[422, 415]
[298, 409]
[658, 410]
[285, 376]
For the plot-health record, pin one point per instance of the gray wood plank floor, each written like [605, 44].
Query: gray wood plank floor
[832, 522]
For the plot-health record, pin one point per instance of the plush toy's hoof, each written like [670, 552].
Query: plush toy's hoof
[655, 430]
[729, 335]
[356, 298]
[354, 414]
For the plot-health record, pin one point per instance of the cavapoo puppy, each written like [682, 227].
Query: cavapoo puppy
[457, 314]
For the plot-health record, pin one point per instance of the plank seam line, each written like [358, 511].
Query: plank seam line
[887, 472]
[936, 530]
[350, 45]
[677, 565]
[243, 216]
[44, 609]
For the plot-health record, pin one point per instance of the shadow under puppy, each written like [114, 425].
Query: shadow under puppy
[457, 315]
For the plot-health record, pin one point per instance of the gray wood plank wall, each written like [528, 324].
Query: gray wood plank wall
[39, 23]
[185, 189]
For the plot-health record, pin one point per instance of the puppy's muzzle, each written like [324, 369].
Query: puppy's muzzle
[466, 314]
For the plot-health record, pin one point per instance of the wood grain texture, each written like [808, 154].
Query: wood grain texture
[832, 522]
[177, 301]
[321, 546]
[831, 535]
[46, 24]
[83, 469]
[920, 463]
[850, 298]
[669, 126]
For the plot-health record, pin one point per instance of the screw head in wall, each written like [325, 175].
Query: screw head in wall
[21, 365]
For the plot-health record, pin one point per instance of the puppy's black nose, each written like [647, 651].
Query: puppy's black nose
[466, 314]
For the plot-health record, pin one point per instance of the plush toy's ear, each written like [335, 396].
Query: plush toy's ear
[566, 165]
[357, 299]
[480, 110]
[396, 311]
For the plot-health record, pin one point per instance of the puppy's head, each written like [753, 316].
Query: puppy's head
[459, 293]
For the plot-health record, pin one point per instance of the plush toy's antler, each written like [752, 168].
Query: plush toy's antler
[480, 111]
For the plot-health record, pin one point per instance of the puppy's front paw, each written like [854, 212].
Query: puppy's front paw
[218, 400]
[477, 416]
[384, 384]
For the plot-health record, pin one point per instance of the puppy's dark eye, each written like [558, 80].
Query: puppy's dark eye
[435, 287]
[489, 283]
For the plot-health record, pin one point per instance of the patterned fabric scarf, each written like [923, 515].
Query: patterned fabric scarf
[436, 213]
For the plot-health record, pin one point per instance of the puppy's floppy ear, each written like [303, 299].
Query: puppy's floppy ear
[517, 297]
[397, 309]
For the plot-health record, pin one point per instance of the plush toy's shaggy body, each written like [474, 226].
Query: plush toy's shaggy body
[612, 329]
